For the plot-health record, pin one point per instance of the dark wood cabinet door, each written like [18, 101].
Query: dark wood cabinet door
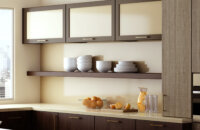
[152, 125]
[107, 123]
[45, 120]
[75, 122]
[20, 120]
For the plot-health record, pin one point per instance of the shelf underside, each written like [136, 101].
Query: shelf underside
[95, 75]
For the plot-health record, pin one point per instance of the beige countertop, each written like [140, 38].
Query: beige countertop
[94, 112]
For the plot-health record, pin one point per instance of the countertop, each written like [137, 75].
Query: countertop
[94, 112]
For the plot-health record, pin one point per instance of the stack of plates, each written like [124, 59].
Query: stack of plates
[84, 63]
[125, 67]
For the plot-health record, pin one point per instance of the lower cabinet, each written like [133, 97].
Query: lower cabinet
[19, 120]
[39, 120]
[107, 123]
[75, 122]
[44, 120]
[152, 125]
[196, 126]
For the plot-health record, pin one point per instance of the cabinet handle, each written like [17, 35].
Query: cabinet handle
[164, 109]
[42, 40]
[74, 117]
[113, 121]
[15, 118]
[156, 125]
[88, 39]
[141, 37]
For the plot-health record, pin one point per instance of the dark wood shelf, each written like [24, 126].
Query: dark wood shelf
[95, 75]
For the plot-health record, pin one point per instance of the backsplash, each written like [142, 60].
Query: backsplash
[70, 90]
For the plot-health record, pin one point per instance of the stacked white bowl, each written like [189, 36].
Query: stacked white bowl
[103, 66]
[70, 64]
[125, 67]
[84, 63]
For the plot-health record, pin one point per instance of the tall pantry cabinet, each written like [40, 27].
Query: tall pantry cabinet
[177, 61]
[196, 36]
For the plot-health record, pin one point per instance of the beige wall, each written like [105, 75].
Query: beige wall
[26, 57]
[69, 90]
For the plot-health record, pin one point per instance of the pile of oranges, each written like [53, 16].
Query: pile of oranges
[94, 102]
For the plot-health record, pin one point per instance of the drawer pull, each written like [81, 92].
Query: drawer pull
[15, 118]
[74, 117]
[156, 125]
[88, 39]
[164, 107]
[141, 37]
[42, 40]
[113, 121]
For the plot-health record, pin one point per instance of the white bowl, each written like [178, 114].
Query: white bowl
[125, 62]
[85, 57]
[103, 66]
[84, 68]
[70, 64]
[84, 65]
[70, 68]
[84, 62]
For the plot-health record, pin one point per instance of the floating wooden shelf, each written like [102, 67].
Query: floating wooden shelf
[95, 75]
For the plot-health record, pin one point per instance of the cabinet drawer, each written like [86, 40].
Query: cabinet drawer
[75, 122]
[20, 120]
[196, 126]
[152, 125]
[107, 123]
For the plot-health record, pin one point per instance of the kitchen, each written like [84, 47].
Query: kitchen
[45, 96]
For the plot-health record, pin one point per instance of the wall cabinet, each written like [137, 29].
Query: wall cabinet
[138, 19]
[152, 125]
[92, 21]
[107, 123]
[195, 36]
[176, 76]
[44, 24]
[75, 122]
[44, 120]
[20, 120]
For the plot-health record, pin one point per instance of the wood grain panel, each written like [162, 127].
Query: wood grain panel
[75, 122]
[45, 120]
[107, 123]
[195, 36]
[96, 75]
[177, 58]
[152, 125]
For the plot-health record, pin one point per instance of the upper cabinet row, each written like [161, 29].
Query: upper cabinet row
[111, 20]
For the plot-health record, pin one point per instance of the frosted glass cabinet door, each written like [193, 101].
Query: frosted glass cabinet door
[91, 21]
[44, 24]
[139, 19]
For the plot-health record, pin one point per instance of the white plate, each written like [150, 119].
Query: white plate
[126, 66]
[125, 71]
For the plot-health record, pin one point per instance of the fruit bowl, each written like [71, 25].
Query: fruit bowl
[94, 102]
